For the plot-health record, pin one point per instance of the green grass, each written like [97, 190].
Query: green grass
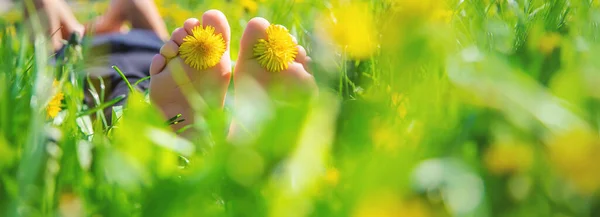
[476, 115]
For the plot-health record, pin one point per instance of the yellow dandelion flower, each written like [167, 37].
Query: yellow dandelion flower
[549, 42]
[159, 3]
[10, 31]
[442, 15]
[203, 49]
[492, 12]
[12, 16]
[53, 107]
[175, 13]
[352, 29]
[385, 137]
[385, 204]
[508, 158]
[250, 6]
[400, 102]
[332, 176]
[277, 51]
[575, 156]
[99, 7]
[424, 10]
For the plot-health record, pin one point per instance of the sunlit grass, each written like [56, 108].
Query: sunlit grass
[425, 108]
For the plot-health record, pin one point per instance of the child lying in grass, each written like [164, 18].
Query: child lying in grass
[199, 49]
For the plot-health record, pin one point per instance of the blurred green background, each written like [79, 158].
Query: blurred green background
[426, 108]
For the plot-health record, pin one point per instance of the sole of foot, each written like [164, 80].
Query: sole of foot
[258, 90]
[176, 87]
[279, 86]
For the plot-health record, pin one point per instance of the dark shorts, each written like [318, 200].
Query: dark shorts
[131, 52]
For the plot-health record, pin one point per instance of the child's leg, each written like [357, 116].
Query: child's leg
[67, 20]
[142, 14]
[55, 18]
[112, 20]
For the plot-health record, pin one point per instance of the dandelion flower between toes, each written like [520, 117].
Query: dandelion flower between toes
[203, 48]
[277, 51]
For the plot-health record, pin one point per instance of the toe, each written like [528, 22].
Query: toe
[217, 19]
[158, 64]
[307, 63]
[297, 78]
[189, 25]
[169, 49]
[302, 57]
[178, 35]
[255, 30]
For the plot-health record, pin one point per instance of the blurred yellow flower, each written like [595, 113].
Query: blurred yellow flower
[492, 12]
[442, 15]
[508, 158]
[53, 107]
[159, 3]
[388, 205]
[427, 10]
[99, 7]
[70, 204]
[332, 176]
[10, 31]
[12, 16]
[277, 51]
[203, 49]
[250, 6]
[384, 136]
[163, 10]
[173, 12]
[415, 6]
[549, 42]
[400, 102]
[575, 155]
[352, 28]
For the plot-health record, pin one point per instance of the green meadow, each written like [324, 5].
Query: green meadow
[467, 108]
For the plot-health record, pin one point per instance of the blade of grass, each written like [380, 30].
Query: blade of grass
[103, 106]
[141, 80]
[123, 77]
[97, 99]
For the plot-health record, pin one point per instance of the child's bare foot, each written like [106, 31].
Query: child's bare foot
[281, 84]
[168, 91]
[267, 81]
